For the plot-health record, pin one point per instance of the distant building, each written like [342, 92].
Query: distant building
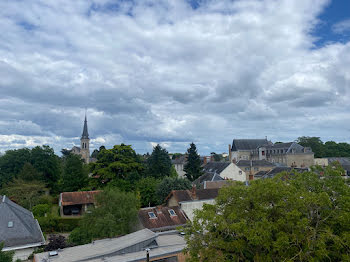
[278, 169]
[84, 149]
[19, 230]
[226, 170]
[179, 164]
[251, 167]
[76, 203]
[164, 246]
[284, 154]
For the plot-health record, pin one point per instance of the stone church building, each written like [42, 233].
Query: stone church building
[84, 149]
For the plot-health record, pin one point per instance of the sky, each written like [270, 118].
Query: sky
[173, 72]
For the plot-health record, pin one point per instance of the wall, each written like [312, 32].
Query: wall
[241, 155]
[232, 172]
[252, 170]
[180, 170]
[23, 254]
[300, 160]
[172, 202]
[190, 206]
[321, 161]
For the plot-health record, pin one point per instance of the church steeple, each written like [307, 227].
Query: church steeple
[85, 134]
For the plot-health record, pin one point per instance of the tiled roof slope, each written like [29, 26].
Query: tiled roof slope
[78, 198]
[25, 229]
[216, 167]
[207, 177]
[254, 163]
[163, 219]
[248, 144]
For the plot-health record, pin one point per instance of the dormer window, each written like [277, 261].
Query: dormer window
[152, 215]
[10, 224]
[172, 212]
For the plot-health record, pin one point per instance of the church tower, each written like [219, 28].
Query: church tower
[85, 143]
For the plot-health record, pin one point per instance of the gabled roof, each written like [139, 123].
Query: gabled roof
[194, 194]
[255, 163]
[163, 220]
[218, 184]
[207, 177]
[24, 229]
[280, 169]
[216, 167]
[179, 160]
[248, 144]
[78, 198]
[85, 134]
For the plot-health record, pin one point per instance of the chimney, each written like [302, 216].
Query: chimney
[229, 153]
[204, 160]
[193, 192]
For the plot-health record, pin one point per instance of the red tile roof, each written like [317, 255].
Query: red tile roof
[163, 220]
[78, 198]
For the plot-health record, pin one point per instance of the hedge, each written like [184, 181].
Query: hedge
[58, 224]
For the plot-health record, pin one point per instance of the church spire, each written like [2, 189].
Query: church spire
[85, 134]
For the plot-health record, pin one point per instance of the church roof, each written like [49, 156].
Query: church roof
[85, 134]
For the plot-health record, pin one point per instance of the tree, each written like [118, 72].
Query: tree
[29, 173]
[292, 217]
[159, 163]
[5, 256]
[74, 175]
[56, 242]
[314, 142]
[115, 214]
[147, 188]
[171, 183]
[193, 167]
[119, 166]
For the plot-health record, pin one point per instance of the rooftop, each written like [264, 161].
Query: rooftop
[194, 194]
[78, 198]
[216, 167]
[255, 163]
[248, 144]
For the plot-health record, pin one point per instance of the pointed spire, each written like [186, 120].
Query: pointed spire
[85, 134]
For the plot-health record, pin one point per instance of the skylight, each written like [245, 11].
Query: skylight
[151, 215]
[172, 212]
[10, 224]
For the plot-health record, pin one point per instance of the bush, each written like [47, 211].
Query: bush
[46, 199]
[67, 224]
[40, 210]
[48, 224]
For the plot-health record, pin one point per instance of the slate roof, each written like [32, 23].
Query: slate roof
[255, 163]
[85, 134]
[248, 144]
[344, 162]
[280, 169]
[163, 219]
[189, 195]
[25, 230]
[179, 160]
[218, 184]
[208, 176]
[78, 198]
[216, 167]
[280, 145]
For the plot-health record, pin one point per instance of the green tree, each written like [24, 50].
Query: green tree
[116, 214]
[193, 167]
[119, 166]
[5, 256]
[29, 173]
[171, 183]
[315, 143]
[159, 163]
[147, 188]
[74, 175]
[292, 217]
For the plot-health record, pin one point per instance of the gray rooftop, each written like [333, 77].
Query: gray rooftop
[255, 163]
[248, 144]
[216, 167]
[85, 134]
[130, 247]
[18, 227]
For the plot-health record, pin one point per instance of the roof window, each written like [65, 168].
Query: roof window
[172, 212]
[10, 224]
[151, 215]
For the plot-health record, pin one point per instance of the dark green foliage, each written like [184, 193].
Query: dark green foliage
[217, 157]
[176, 155]
[5, 256]
[290, 217]
[40, 210]
[171, 183]
[328, 149]
[48, 224]
[193, 167]
[159, 163]
[29, 173]
[115, 215]
[74, 175]
[147, 188]
[119, 165]
[56, 242]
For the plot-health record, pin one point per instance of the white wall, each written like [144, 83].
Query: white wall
[189, 207]
[23, 254]
[233, 172]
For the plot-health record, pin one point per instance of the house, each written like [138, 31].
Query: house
[162, 218]
[251, 167]
[278, 169]
[179, 164]
[284, 154]
[190, 200]
[164, 246]
[76, 203]
[19, 230]
[226, 170]
[203, 179]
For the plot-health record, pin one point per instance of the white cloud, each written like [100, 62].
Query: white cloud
[342, 27]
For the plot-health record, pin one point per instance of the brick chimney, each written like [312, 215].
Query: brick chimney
[193, 192]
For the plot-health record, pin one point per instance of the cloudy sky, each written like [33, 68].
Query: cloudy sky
[173, 71]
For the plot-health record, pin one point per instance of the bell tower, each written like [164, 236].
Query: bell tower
[85, 143]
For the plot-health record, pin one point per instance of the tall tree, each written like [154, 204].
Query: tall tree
[193, 167]
[315, 143]
[159, 163]
[115, 214]
[171, 183]
[292, 217]
[147, 188]
[74, 175]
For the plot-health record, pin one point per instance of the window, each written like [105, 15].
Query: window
[172, 212]
[151, 215]
[10, 224]
[256, 168]
[263, 153]
[240, 172]
[247, 168]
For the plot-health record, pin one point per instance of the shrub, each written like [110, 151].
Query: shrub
[40, 210]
